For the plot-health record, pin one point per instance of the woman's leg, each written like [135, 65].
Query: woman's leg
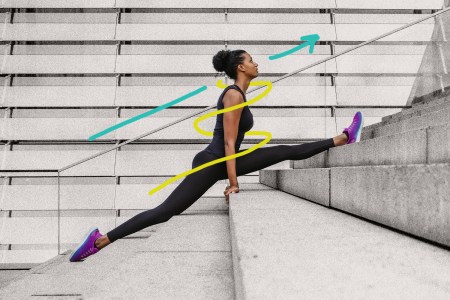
[183, 196]
[196, 184]
[264, 157]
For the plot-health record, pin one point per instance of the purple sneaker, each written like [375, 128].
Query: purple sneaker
[87, 246]
[354, 130]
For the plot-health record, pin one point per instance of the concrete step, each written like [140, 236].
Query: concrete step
[287, 248]
[22, 246]
[428, 117]
[187, 257]
[437, 118]
[410, 198]
[417, 113]
[7, 276]
[44, 230]
[172, 245]
[417, 109]
[93, 197]
[35, 269]
[429, 100]
[428, 145]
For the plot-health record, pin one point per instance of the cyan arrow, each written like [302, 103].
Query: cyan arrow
[148, 113]
[310, 40]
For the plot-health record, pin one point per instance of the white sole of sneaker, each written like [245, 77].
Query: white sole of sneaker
[358, 135]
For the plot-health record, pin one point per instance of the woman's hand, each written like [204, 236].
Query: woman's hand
[229, 190]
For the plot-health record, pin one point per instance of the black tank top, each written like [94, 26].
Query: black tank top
[217, 145]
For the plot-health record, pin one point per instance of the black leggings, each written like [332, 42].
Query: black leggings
[195, 185]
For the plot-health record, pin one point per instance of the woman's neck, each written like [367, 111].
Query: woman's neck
[243, 84]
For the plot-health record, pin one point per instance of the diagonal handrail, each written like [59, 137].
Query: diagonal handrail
[257, 88]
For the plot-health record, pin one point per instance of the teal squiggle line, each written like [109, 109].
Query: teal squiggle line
[148, 113]
[310, 40]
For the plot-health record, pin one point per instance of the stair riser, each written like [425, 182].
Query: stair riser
[400, 149]
[428, 145]
[413, 198]
[314, 184]
[317, 161]
[434, 119]
[428, 107]
[416, 111]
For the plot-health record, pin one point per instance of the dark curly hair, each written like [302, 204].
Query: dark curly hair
[226, 60]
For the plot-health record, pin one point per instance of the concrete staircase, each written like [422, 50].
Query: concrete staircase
[386, 235]
[280, 244]
[272, 244]
[398, 175]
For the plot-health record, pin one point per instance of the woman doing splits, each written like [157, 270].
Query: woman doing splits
[228, 134]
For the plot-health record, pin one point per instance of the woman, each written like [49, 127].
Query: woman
[228, 135]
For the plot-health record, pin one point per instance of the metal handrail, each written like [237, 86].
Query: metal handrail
[257, 88]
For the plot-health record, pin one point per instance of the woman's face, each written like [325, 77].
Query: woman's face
[250, 67]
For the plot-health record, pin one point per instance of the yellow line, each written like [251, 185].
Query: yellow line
[267, 134]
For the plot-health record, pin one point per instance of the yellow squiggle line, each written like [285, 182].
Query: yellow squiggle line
[268, 135]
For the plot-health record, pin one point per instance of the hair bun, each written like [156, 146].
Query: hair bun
[220, 60]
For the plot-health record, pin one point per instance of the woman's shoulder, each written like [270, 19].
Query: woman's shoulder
[235, 91]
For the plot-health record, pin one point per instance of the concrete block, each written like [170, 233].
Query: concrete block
[189, 233]
[371, 126]
[404, 148]
[44, 230]
[8, 276]
[439, 144]
[429, 106]
[317, 161]
[432, 119]
[366, 134]
[203, 205]
[413, 198]
[135, 196]
[25, 259]
[419, 111]
[269, 178]
[430, 100]
[402, 116]
[415, 111]
[436, 107]
[153, 274]
[310, 184]
[45, 197]
[177, 262]
[294, 249]
[49, 159]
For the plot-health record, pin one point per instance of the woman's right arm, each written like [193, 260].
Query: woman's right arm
[230, 126]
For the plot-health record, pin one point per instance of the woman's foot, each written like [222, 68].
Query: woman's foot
[87, 246]
[354, 130]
